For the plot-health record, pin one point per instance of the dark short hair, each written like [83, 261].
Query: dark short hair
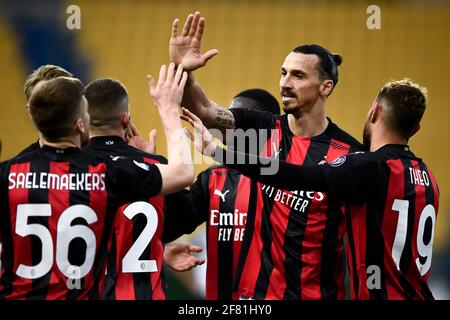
[55, 105]
[328, 62]
[406, 102]
[262, 100]
[46, 72]
[106, 98]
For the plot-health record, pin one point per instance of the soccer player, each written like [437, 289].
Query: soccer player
[392, 195]
[293, 245]
[45, 72]
[58, 203]
[223, 199]
[140, 234]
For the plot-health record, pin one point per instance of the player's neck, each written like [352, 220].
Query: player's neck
[380, 138]
[308, 124]
[96, 132]
[64, 143]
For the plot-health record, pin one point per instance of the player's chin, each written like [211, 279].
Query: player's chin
[289, 107]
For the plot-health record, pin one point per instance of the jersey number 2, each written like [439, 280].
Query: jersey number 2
[131, 262]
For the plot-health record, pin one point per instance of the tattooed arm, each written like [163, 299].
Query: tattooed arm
[210, 112]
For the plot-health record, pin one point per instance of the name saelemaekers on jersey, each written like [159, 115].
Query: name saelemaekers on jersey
[68, 181]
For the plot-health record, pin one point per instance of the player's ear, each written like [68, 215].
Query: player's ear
[125, 121]
[325, 88]
[79, 126]
[28, 111]
[376, 114]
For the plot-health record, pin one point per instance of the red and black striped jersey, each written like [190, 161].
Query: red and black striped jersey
[293, 245]
[222, 198]
[56, 213]
[137, 232]
[32, 147]
[394, 200]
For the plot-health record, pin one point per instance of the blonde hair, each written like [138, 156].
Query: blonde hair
[46, 72]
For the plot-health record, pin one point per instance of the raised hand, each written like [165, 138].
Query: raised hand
[134, 139]
[203, 140]
[184, 49]
[179, 256]
[168, 92]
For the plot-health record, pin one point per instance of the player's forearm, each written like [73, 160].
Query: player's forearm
[275, 173]
[212, 114]
[178, 150]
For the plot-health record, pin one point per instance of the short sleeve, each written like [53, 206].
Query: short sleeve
[133, 179]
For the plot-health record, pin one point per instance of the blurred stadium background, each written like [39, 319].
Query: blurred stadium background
[129, 39]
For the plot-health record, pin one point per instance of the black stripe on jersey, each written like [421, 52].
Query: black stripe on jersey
[109, 292]
[141, 280]
[262, 282]
[352, 253]
[102, 251]
[77, 247]
[39, 286]
[375, 239]
[429, 197]
[7, 257]
[330, 259]
[164, 282]
[406, 260]
[225, 248]
[248, 234]
[296, 227]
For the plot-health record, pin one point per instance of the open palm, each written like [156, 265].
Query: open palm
[184, 49]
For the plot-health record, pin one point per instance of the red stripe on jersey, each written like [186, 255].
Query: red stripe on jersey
[98, 201]
[156, 244]
[312, 249]
[358, 223]
[350, 255]
[60, 201]
[396, 190]
[279, 220]
[216, 181]
[253, 262]
[21, 245]
[436, 199]
[337, 149]
[273, 142]
[340, 275]
[420, 203]
[123, 229]
[241, 203]
[157, 250]
[314, 233]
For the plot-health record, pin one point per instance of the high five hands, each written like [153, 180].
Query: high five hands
[184, 49]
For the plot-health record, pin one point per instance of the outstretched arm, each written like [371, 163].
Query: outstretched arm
[166, 94]
[184, 50]
[282, 175]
